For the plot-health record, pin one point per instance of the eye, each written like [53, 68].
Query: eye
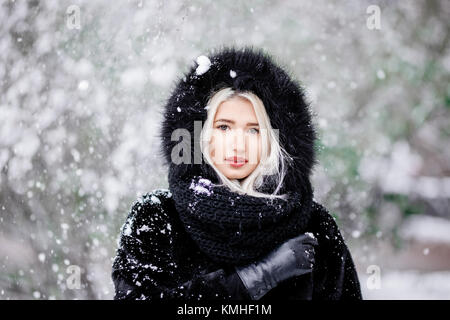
[222, 126]
[255, 130]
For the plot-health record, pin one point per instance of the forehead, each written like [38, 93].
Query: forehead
[237, 109]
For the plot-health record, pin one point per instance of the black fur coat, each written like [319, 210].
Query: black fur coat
[156, 258]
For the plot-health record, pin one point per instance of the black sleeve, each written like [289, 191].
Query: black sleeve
[143, 268]
[211, 286]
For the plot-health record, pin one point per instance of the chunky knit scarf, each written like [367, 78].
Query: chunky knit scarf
[233, 228]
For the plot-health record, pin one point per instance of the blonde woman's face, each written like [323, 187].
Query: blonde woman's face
[235, 145]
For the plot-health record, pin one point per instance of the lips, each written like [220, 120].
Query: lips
[237, 160]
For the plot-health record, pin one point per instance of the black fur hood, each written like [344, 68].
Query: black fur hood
[242, 69]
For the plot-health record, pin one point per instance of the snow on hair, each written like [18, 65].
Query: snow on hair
[274, 158]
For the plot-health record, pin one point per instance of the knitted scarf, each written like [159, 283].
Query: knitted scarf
[232, 228]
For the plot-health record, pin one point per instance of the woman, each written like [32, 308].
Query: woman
[238, 220]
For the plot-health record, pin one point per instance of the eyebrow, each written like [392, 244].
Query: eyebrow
[232, 122]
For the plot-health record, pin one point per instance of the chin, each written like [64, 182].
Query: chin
[234, 175]
[237, 177]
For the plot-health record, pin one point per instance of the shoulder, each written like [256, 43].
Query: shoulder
[146, 205]
[155, 199]
[149, 213]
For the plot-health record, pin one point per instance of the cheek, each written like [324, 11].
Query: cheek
[254, 145]
[259, 146]
[212, 145]
[216, 146]
[253, 150]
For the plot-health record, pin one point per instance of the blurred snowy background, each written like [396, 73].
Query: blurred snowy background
[81, 91]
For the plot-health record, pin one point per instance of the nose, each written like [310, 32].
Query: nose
[238, 141]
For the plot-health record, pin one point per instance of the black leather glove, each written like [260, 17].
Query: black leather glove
[293, 258]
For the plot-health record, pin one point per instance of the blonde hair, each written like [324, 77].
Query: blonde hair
[274, 158]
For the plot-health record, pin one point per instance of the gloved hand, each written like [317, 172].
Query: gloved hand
[292, 258]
